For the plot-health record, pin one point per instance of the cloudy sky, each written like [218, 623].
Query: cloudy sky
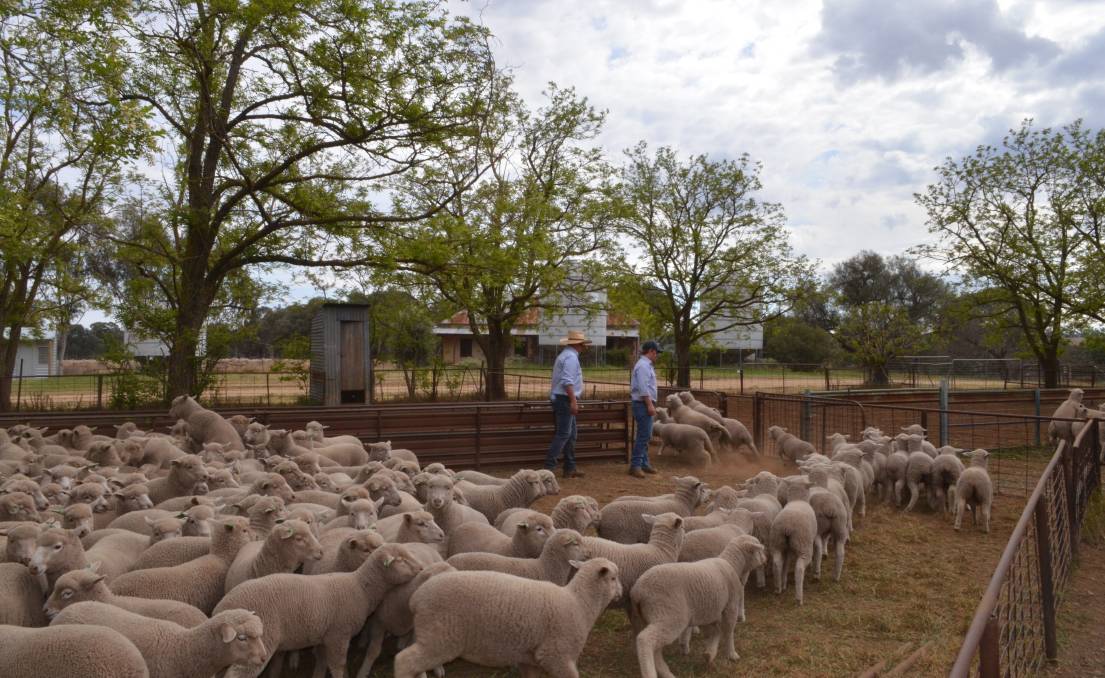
[849, 104]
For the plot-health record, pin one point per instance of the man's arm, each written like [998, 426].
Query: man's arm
[573, 404]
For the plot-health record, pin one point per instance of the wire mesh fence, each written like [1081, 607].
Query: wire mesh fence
[1013, 630]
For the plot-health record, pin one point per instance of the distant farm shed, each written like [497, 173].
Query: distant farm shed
[341, 364]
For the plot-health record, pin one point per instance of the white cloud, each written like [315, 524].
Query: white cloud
[844, 157]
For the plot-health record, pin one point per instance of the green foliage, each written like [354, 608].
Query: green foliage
[876, 332]
[520, 239]
[790, 340]
[288, 121]
[706, 255]
[133, 384]
[294, 364]
[1014, 220]
[618, 357]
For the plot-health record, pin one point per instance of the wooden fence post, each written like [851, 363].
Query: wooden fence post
[989, 650]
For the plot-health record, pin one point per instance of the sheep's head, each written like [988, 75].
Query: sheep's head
[750, 550]
[439, 492]
[581, 514]
[54, 547]
[396, 563]
[776, 432]
[274, 485]
[362, 514]
[662, 415]
[22, 539]
[673, 402]
[1076, 395]
[535, 486]
[164, 528]
[18, 506]
[723, 497]
[686, 397]
[350, 495]
[379, 451]
[107, 452]
[598, 574]
[188, 470]
[979, 457]
[569, 543]
[197, 520]
[297, 539]
[256, 435]
[548, 478]
[76, 586]
[381, 486]
[78, 517]
[133, 498]
[421, 525]
[182, 406]
[241, 631]
[358, 547]
[221, 478]
[126, 430]
[324, 482]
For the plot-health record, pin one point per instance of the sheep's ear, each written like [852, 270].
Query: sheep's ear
[94, 566]
[648, 518]
[228, 633]
[408, 517]
[149, 521]
[576, 564]
[287, 533]
[678, 523]
[174, 462]
[388, 561]
[523, 526]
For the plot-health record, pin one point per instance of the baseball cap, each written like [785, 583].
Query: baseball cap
[651, 345]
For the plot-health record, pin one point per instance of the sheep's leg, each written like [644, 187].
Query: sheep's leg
[960, 506]
[761, 576]
[817, 551]
[528, 671]
[375, 646]
[713, 639]
[985, 510]
[685, 640]
[559, 666]
[914, 495]
[777, 563]
[861, 499]
[729, 628]
[899, 485]
[838, 565]
[799, 576]
[418, 658]
[648, 646]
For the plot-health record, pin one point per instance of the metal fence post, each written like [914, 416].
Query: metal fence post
[19, 389]
[1072, 500]
[99, 391]
[828, 386]
[1036, 398]
[758, 420]
[989, 650]
[807, 416]
[741, 373]
[943, 412]
[478, 437]
[1047, 580]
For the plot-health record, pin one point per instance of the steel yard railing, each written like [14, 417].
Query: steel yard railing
[1013, 631]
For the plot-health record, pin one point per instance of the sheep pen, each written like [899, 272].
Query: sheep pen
[909, 577]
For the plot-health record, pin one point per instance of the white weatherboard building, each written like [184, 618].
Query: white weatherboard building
[143, 347]
[36, 358]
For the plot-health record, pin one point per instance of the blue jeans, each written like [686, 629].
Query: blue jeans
[564, 440]
[644, 433]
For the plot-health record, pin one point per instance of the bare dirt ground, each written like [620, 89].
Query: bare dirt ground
[908, 578]
[1082, 612]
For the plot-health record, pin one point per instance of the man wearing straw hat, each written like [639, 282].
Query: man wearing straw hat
[567, 388]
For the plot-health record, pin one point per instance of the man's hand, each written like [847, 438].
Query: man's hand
[651, 409]
[573, 407]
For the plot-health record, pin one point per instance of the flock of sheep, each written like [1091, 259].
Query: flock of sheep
[225, 545]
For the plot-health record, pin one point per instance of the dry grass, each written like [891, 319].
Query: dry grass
[907, 578]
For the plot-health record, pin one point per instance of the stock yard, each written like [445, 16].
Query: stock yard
[910, 582]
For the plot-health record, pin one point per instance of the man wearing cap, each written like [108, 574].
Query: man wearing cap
[642, 390]
[567, 388]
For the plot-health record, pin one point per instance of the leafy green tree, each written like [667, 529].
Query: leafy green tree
[792, 340]
[289, 122]
[706, 255]
[870, 294]
[65, 139]
[1007, 218]
[521, 239]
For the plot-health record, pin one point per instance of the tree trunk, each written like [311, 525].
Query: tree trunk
[1049, 364]
[494, 350]
[683, 360]
[182, 365]
[62, 338]
[7, 365]
[879, 375]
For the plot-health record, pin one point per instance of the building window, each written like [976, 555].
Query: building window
[465, 348]
[44, 354]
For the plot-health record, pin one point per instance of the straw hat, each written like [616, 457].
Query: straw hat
[574, 337]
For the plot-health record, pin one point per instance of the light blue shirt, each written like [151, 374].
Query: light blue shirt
[643, 381]
[567, 372]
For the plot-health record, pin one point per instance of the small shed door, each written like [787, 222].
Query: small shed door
[352, 356]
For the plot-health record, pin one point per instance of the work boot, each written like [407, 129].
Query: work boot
[574, 473]
[636, 472]
[649, 470]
